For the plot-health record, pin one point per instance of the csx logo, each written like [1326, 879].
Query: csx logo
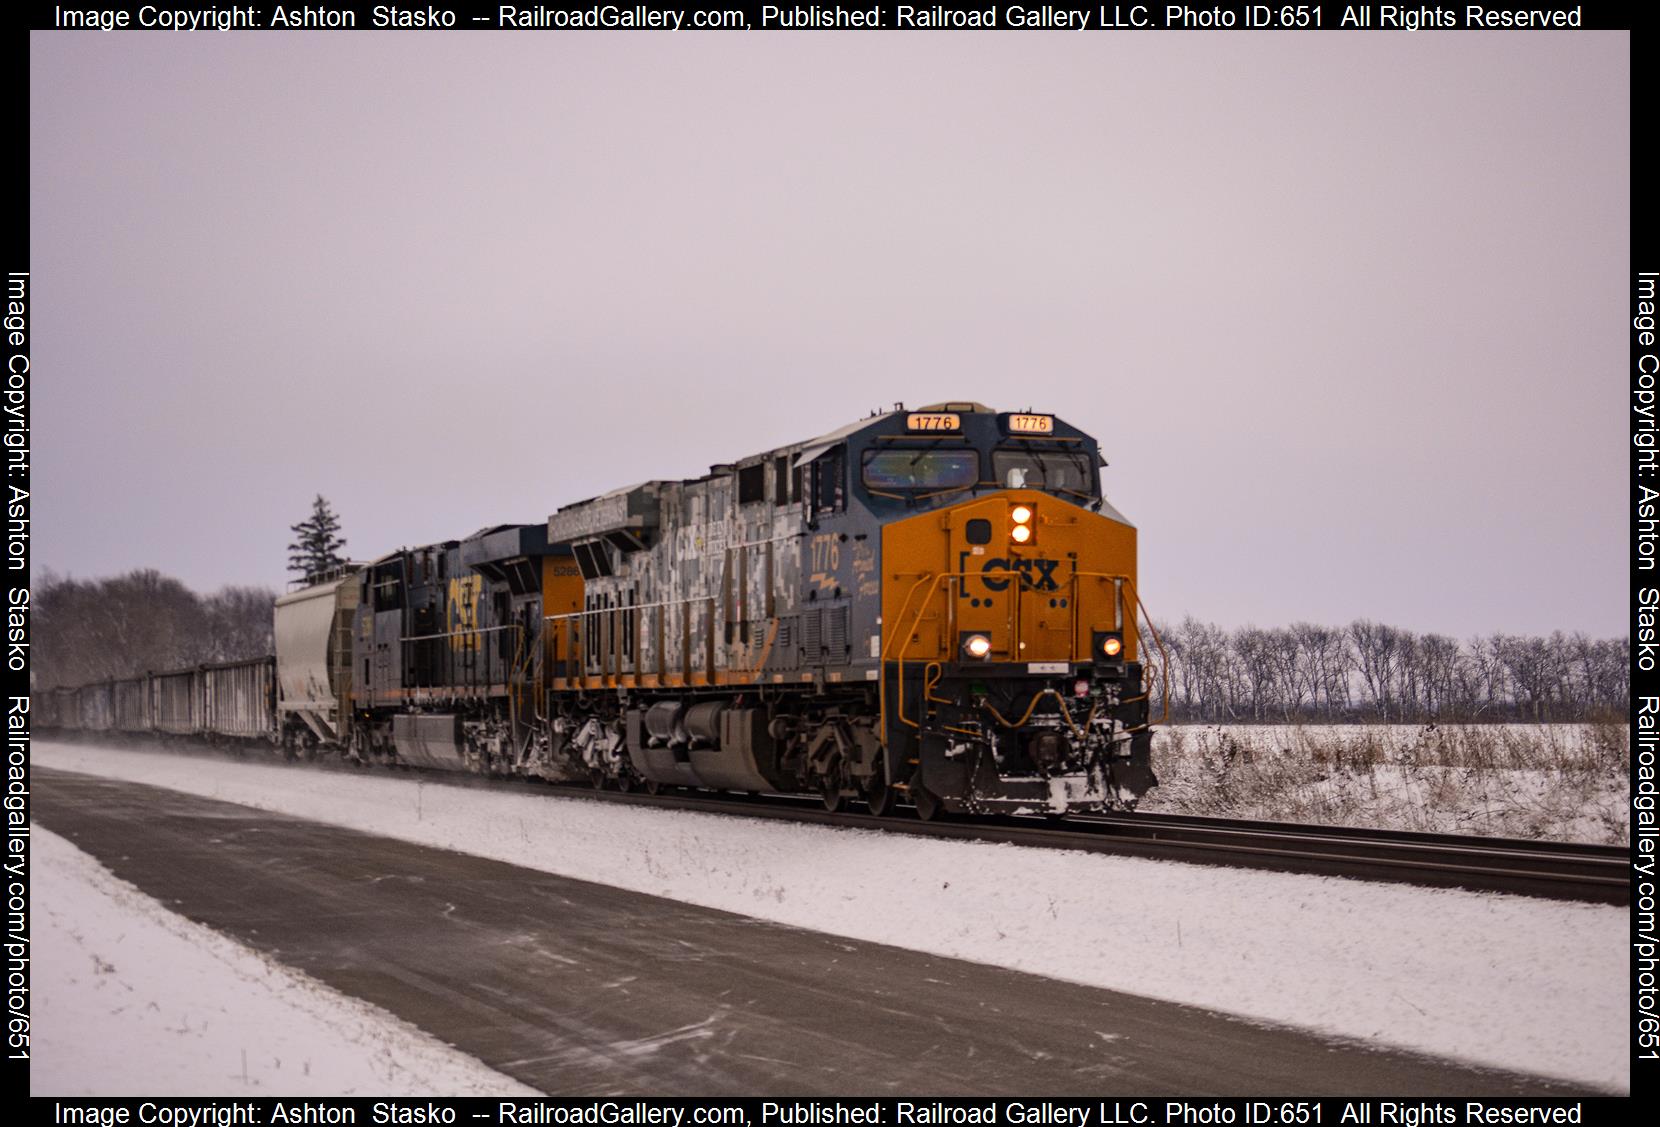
[463, 606]
[995, 573]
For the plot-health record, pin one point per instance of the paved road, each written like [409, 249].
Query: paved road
[578, 988]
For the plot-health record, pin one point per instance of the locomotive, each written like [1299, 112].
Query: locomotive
[937, 606]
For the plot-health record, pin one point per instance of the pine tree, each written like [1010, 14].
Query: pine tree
[316, 547]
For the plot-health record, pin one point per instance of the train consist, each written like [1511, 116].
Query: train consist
[935, 606]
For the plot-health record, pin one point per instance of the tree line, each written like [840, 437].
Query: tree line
[96, 629]
[1371, 671]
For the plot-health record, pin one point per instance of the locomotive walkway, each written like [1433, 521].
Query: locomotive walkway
[578, 988]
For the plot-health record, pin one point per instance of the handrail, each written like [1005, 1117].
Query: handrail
[916, 621]
[931, 674]
[632, 606]
[581, 618]
[1164, 656]
[460, 633]
[882, 675]
[1164, 660]
[903, 638]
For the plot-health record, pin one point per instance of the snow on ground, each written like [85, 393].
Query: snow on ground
[1520, 983]
[131, 999]
[1561, 782]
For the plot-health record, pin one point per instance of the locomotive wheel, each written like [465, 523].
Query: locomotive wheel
[597, 777]
[832, 795]
[880, 795]
[927, 803]
[653, 787]
[625, 783]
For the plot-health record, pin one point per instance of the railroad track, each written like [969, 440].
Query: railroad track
[1555, 870]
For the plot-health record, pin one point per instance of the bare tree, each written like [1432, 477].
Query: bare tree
[239, 622]
[1378, 653]
[1254, 653]
[1307, 671]
[95, 630]
[1293, 685]
[1439, 674]
[1325, 654]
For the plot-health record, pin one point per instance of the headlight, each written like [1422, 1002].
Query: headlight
[977, 646]
[1109, 645]
[1020, 530]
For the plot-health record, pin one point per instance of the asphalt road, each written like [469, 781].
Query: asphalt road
[582, 989]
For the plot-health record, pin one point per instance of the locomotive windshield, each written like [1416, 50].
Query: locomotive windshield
[1054, 471]
[926, 469]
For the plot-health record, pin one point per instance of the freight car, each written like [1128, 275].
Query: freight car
[230, 703]
[934, 605]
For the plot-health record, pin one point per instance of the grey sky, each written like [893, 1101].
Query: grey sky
[1345, 311]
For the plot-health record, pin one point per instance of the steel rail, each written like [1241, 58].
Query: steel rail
[1553, 870]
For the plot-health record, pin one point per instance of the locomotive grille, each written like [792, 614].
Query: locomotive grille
[835, 633]
[812, 635]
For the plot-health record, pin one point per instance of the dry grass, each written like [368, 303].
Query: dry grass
[1564, 782]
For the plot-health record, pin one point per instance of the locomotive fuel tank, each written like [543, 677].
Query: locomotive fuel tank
[708, 744]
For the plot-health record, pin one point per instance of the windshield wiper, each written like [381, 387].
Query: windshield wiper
[928, 449]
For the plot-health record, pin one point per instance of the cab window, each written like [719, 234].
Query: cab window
[925, 470]
[1054, 471]
[828, 476]
[388, 581]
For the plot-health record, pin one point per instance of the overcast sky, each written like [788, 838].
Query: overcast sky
[1345, 311]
